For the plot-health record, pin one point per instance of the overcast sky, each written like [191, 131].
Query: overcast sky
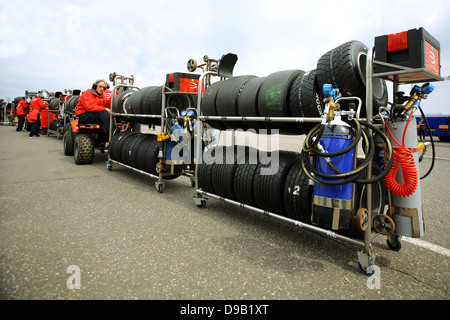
[55, 45]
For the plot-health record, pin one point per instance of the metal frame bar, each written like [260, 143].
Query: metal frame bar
[300, 224]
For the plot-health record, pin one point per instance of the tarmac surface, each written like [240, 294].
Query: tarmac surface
[83, 232]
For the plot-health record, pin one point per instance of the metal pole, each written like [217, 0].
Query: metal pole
[198, 137]
[369, 116]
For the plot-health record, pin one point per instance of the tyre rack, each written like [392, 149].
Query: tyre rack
[159, 184]
[50, 131]
[366, 257]
[127, 83]
[166, 91]
[201, 196]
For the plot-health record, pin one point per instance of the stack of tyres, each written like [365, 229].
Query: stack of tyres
[290, 93]
[71, 104]
[137, 150]
[54, 104]
[345, 68]
[118, 105]
[146, 101]
[54, 125]
[274, 99]
[293, 93]
[246, 175]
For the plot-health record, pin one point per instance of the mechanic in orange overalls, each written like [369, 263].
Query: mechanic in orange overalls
[36, 105]
[22, 110]
[93, 108]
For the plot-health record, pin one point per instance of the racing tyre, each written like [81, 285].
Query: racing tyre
[209, 105]
[243, 178]
[248, 103]
[345, 68]
[305, 100]
[227, 99]
[298, 194]
[268, 187]
[274, 99]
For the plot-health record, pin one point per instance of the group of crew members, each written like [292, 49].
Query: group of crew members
[94, 106]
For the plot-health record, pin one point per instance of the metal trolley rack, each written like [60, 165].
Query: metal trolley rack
[366, 257]
[57, 112]
[201, 196]
[127, 84]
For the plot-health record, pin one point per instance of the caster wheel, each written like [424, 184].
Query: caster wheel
[383, 224]
[397, 247]
[160, 188]
[109, 167]
[369, 272]
[202, 205]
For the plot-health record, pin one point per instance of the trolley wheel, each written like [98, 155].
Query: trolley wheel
[202, 205]
[394, 247]
[362, 216]
[383, 224]
[159, 186]
[369, 272]
[205, 58]
[109, 166]
[192, 65]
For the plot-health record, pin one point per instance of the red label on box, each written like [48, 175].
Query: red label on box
[189, 85]
[398, 41]
[432, 59]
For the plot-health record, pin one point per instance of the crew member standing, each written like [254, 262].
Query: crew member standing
[34, 116]
[22, 110]
[93, 108]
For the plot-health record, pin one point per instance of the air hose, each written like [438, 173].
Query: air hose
[433, 159]
[312, 141]
[403, 158]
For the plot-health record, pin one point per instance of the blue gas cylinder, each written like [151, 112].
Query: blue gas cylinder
[333, 204]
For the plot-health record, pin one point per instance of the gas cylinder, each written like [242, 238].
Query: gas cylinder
[406, 208]
[333, 204]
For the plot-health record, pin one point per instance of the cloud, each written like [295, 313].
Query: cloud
[64, 44]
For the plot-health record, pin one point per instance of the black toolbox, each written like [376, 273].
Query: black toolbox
[415, 49]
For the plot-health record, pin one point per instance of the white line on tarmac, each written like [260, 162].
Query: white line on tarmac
[427, 245]
[437, 158]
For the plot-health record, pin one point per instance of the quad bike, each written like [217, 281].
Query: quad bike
[81, 140]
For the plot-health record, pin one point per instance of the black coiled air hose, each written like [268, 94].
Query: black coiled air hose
[313, 139]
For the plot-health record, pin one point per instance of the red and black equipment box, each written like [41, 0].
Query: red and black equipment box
[182, 82]
[416, 49]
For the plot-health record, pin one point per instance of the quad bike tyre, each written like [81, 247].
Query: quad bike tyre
[84, 147]
[68, 142]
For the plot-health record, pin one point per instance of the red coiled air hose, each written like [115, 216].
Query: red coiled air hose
[403, 158]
